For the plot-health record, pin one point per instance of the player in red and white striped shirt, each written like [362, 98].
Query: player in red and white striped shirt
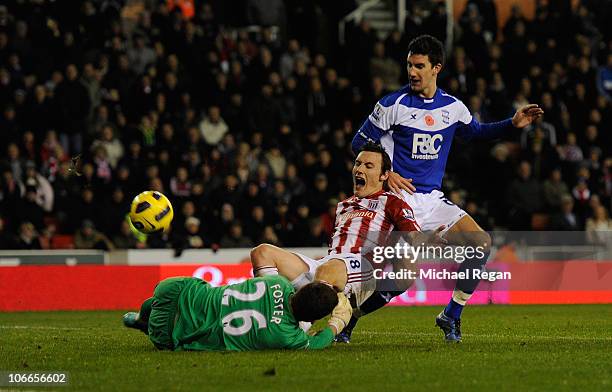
[364, 219]
[358, 217]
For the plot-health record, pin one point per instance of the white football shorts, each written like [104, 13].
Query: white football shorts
[432, 210]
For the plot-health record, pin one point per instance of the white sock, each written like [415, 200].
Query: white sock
[265, 270]
[461, 297]
[302, 280]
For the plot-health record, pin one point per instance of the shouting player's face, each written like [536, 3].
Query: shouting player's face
[422, 75]
[367, 174]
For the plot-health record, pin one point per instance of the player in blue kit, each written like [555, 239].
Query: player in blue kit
[416, 126]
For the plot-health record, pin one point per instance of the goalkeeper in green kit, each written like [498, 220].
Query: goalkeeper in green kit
[261, 313]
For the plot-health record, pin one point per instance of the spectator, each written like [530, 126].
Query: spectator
[328, 218]
[87, 237]
[111, 144]
[126, 239]
[319, 195]
[316, 236]
[570, 152]
[42, 187]
[30, 209]
[52, 155]
[279, 193]
[115, 211]
[524, 198]
[140, 55]
[193, 235]
[102, 168]
[599, 226]
[294, 183]
[269, 236]
[255, 226]
[180, 185]
[554, 189]
[39, 111]
[235, 238]
[213, 127]
[582, 195]
[385, 68]
[288, 58]
[277, 162]
[28, 238]
[14, 160]
[223, 222]
[541, 131]
[565, 219]
[74, 104]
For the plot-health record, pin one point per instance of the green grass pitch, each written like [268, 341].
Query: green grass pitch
[561, 348]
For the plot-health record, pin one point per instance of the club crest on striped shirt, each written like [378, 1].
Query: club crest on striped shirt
[407, 213]
[372, 204]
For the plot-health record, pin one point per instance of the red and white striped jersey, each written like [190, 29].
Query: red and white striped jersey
[369, 219]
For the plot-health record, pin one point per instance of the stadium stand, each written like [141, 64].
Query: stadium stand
[248, 130]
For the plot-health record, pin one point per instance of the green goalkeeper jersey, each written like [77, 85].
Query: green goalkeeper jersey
[252, 315]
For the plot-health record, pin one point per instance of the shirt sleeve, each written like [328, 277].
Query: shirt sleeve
[402, 215]
[375, 126]
[469, 128]
[302, 340]
[321, 340]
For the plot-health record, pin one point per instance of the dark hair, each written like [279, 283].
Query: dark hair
[430, 46]
[313, 301]
[376, 147]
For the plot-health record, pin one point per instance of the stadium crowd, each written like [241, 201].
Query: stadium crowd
[248, 133]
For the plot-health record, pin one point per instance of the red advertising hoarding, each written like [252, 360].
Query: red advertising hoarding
[35, 288]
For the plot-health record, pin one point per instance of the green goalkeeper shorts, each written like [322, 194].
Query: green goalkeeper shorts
[164, 311]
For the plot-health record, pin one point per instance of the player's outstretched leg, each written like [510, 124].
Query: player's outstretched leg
[465, 232]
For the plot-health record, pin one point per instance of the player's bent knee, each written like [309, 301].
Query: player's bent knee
[478, 239]
[261, 255]
[483, 239]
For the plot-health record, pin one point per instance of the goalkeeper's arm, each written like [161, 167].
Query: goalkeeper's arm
[339, 318]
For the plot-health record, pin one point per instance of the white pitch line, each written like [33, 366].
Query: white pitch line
[587, 338]
[37, 327]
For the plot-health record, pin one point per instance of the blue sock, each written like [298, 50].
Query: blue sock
[453, 310]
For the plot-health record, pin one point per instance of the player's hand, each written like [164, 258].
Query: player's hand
[398, 183]
[341, 314]
[431, 238]
[526, 115]
[436, 238]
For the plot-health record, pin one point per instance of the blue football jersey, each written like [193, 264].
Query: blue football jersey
[417, 133]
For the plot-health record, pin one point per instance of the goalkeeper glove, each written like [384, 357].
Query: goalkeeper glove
[341, 314]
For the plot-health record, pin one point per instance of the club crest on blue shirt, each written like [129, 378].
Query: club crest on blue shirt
[377, 111]
[445, 117]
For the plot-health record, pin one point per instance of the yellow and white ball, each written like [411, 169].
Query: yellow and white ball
[151, 212]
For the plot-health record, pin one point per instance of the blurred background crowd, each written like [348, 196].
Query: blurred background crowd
[248, 131]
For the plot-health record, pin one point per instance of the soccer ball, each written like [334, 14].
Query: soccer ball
[151, 212]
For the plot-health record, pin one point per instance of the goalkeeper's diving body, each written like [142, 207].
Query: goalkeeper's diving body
[187, 313]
